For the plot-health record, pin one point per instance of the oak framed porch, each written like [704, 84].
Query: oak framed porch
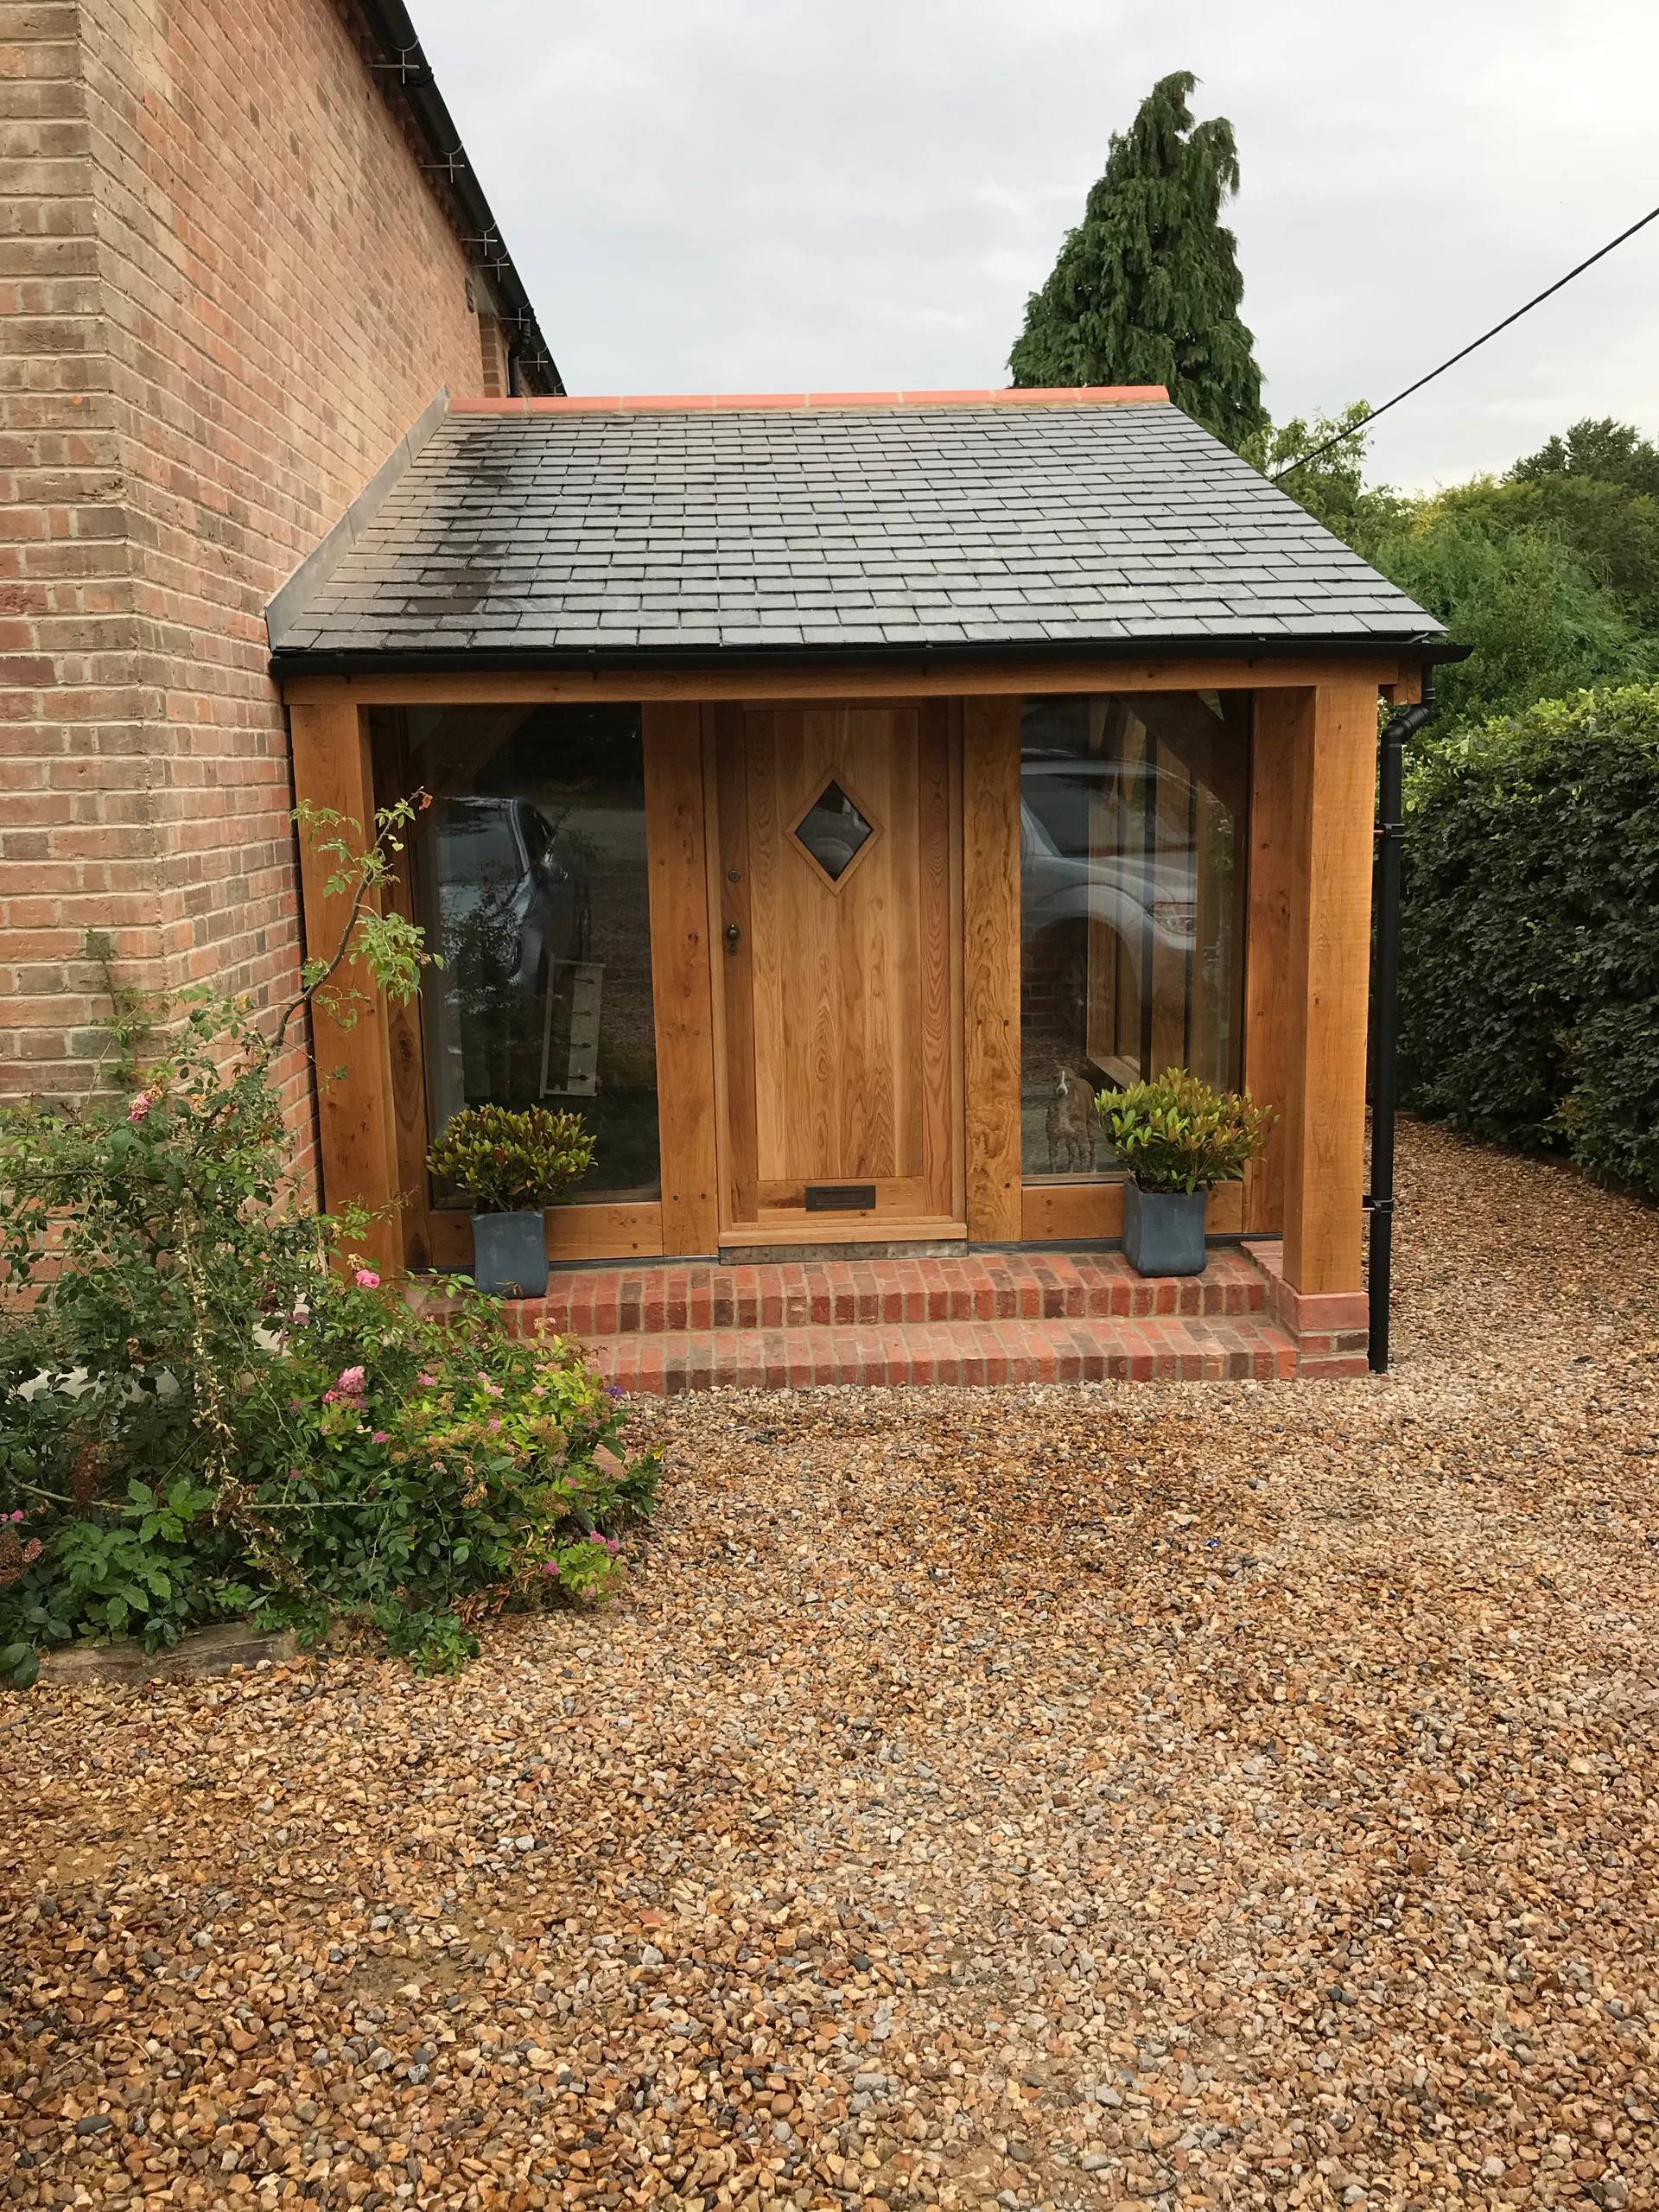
[1306, 943]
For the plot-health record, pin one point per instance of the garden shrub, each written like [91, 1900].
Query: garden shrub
[1177, 1133]
[211, 1408]
[511, 1162]
[366, 1462]
[1530, 953]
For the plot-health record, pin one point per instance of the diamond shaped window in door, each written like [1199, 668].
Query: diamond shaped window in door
[833, 831]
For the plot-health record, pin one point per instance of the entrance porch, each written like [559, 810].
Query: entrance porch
[840, 960]
[831, 794]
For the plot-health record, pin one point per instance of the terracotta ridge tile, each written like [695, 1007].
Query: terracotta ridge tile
[802, 402]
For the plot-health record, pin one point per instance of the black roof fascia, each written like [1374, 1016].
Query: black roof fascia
[401, 57]
[321, 660]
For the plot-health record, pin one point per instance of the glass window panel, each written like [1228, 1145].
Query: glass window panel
[833, 831]
[1132, 826]
[531, 882]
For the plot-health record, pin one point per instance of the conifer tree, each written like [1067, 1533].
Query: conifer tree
[1147, 289]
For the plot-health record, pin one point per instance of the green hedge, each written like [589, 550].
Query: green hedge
[1530, 967]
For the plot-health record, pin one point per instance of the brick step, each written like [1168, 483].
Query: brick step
[1156, 1348]
[866, 1293]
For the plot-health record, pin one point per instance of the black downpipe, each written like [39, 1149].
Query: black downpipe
[1385, 1010]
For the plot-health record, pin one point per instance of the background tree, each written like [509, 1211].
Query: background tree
[1540, 624]
[1147, 289]
[1597, 490]
[1551, 573]
[1605, 451]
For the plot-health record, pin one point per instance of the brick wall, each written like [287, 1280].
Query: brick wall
[227, 291]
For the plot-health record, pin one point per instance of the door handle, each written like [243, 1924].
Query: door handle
[733, 933]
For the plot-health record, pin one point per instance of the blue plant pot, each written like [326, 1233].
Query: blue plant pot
[1163, 1231]
[510, 1255]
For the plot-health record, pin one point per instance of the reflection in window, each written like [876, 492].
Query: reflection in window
[531, 879]
[833, 831]
[1132, 821]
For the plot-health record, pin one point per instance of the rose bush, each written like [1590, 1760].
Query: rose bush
[423, 1469]
[212, 1409]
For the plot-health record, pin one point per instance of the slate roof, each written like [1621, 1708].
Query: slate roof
[541, 528]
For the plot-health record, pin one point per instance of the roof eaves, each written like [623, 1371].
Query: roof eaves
[401, 63]
[1429, 644]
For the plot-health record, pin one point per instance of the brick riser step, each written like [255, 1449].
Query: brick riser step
[873, 1293]
[969, 1354]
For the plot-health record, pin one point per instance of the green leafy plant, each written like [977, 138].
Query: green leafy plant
[151, 1569]
[1529, 997]
[416, 1471]
[142, 1241]
[212, 1408]
[375, 952]
[1178, 1133]
[512, 1162]
[407, 1472]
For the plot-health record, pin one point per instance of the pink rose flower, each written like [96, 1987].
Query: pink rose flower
[367, 1279]
[141, 1105]
[495, 1421]
[382, 1436]
[427, 1381]
[352, 1381]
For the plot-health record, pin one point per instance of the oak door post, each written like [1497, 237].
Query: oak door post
[1334, 747]
[357, 1124]
[682, 986]
[990, 895]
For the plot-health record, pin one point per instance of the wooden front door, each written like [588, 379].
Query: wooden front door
[837, 963]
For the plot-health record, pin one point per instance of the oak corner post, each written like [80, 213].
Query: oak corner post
[1333, 810]
[356, 1118]
[1280, 727]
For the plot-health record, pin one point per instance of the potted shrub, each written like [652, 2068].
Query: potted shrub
[1176, 1137]
[511, 1165]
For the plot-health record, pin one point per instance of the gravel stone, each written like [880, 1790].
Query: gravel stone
[1205, 1795]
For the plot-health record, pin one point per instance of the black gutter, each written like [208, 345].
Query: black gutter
[349, 661]
[1385, 1010]
[400, 58]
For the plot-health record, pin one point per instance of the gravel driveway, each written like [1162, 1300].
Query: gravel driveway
[1219, 1795]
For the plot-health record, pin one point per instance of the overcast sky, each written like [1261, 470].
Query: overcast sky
[782, 194]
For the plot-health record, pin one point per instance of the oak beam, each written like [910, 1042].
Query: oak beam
[990, 867]
[1408, 690]
[1333, 742]
[356, 1119]
[1011, 674]
[682, 986]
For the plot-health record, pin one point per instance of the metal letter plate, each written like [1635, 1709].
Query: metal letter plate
[841, 1197]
